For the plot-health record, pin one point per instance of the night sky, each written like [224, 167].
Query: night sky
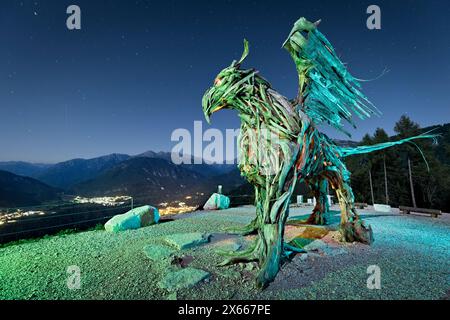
[138, 69]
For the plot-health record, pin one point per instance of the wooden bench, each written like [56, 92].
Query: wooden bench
[407, 210]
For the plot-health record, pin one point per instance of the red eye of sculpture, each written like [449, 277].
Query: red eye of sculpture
[217, 82]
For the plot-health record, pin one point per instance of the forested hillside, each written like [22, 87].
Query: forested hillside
[429, 164]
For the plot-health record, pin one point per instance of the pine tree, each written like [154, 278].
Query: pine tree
[406, 127]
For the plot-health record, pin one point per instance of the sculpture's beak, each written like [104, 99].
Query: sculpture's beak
[210, 111]
[210, 105]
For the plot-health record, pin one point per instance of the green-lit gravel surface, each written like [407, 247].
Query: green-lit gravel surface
[413, 253]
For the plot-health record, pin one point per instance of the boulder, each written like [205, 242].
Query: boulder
[183, 278]
[217, 202]
[133, 219]
[183, 241]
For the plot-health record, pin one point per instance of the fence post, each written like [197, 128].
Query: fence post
[132, 203]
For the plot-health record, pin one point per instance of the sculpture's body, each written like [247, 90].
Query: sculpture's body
[327, 93]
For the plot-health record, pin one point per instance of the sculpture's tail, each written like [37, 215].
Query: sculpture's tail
[345, 151]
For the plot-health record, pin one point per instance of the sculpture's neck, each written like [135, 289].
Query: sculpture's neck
[267, 108]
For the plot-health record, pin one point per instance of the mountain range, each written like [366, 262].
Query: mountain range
[24, 168]
[152, 179]
[149, 177]
[18, 190]
[68, 173]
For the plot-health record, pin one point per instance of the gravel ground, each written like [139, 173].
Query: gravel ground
[412, 252]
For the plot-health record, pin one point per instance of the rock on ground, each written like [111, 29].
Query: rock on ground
[157, 252]
[183, 241]
[315, 245]
[133, 219]
[217, 202]
[184, 278]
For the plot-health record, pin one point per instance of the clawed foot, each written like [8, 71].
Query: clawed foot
[243, 231]
[357, 231]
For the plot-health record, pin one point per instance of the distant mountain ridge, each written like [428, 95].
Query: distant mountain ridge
[22, 168]
[68, 173]
[202, 168]
[154, 179]
[151, 174]
[17, 191]
[346, 143]
[157, 180]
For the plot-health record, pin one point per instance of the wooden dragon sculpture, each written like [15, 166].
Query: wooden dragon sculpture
[280, 144]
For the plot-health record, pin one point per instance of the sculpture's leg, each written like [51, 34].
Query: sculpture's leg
[272, 196]
[271, 240]
[267, 248]
[252, 227]
[320, 214]
[270, 252]
[352, 226]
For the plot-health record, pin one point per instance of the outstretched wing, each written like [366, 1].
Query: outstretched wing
[327, 91]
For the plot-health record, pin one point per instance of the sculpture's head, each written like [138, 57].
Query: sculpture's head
[298, 37]
[229, 85]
